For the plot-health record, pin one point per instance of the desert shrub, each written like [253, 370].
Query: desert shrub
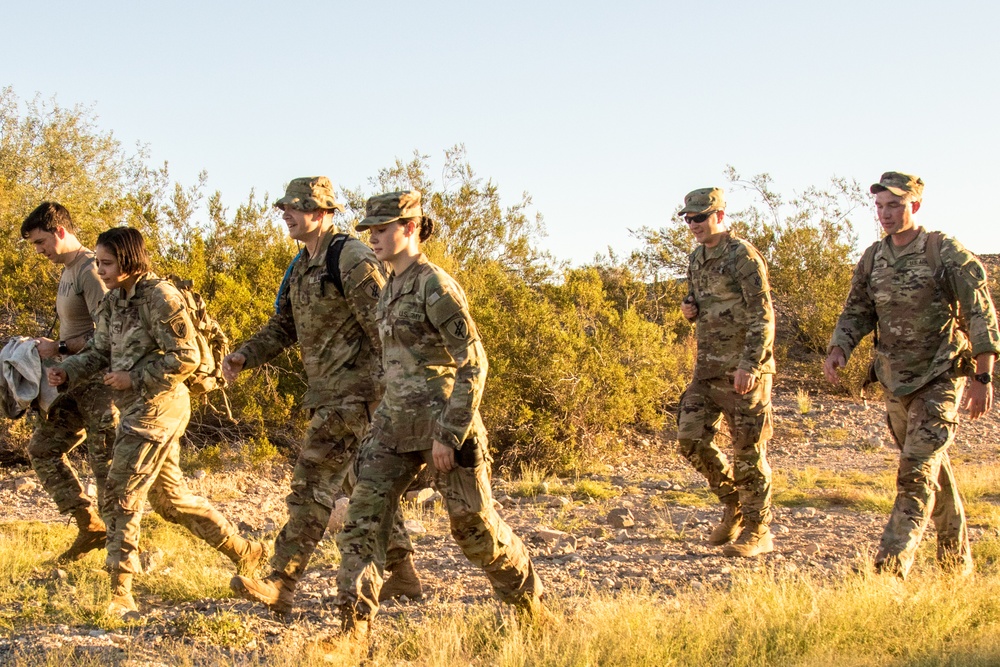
[577, 355]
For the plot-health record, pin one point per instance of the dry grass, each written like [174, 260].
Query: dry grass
[803, 401]
[760, 618]
[824, 489]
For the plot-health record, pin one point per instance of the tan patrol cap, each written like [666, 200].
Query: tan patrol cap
[310, 193]
[899, 184]
[390, 207]
[703, 200]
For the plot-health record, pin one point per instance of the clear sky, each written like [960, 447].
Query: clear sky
[607, 113]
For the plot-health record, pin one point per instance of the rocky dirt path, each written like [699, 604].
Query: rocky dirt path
[651, 533]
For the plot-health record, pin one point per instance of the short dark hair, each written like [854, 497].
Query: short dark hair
[128, 248]
[47, 217]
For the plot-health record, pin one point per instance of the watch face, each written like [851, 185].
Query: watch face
[983, 378]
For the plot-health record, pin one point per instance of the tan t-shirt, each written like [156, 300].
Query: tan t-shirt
[80, 290]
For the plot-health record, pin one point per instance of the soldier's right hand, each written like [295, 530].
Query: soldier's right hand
[836, 359]
[56, 376]
[689, 309]
[232, 365]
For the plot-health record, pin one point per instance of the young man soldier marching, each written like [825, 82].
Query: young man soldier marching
[332, 317]
[729, 300]
[909, 288]
[86, 413]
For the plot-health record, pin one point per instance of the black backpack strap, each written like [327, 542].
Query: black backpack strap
[333, 264]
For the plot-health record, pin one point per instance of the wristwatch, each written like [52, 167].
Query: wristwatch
[63, 347]
[983, 378]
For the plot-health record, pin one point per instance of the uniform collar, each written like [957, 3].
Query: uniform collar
[404, 282]
[81, 255]
[139, 285]
[915, 247]
[716, 251]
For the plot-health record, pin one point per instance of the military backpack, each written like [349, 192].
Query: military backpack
[213, 344]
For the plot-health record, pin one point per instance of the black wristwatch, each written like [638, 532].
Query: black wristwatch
[983, 378]
[63, 347]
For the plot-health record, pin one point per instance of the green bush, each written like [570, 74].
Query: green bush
[578, 356]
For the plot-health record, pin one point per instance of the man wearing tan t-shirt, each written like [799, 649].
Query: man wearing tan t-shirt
[84, 414]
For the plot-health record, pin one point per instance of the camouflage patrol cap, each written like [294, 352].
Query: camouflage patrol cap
[703, 200]
[310, 193]
[899, 184]
[389, 207]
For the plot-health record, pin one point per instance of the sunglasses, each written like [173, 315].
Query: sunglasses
[701, 217]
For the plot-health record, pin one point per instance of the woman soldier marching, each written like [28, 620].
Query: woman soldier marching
[145, 337]
[435, 370]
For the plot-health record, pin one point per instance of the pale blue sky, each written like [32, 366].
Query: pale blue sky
[606, 112]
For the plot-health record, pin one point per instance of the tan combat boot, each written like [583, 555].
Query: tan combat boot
[93, 534]
[755, 539]
[247, 555]
[731, 524]
[954, 559]
[534, 612]
[403, 580]
[889, 565]
[273, 591]
[122, 604]
[353, 626]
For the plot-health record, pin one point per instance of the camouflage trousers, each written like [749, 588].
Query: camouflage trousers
[703, 406]
[923, 425]
[85, 414]
[324, 467]
[146, 464]
[485, 539]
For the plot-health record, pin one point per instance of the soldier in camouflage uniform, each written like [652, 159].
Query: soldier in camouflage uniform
[144, 345]
[435, 371]
[729, 301]
[341, 353]
[85, 414]
[909, 288]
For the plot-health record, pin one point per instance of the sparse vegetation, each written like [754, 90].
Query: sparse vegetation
[577, 355]
[598, 490]
[803, 401]
[824, 489]
[763, 617]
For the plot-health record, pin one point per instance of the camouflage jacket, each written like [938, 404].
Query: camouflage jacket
[337, 335]
[146, 332]
[435, 364]
[919, 336]
[735, 322]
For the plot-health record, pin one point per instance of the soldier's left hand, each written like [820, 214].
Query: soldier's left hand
[743, 381]
[444, 457]
[118, 380]
[979, 399]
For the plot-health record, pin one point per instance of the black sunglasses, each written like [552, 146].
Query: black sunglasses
[701, 217]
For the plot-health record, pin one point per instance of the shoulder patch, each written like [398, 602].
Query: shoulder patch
[178, 326]
[371, 288]
[458, 328]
